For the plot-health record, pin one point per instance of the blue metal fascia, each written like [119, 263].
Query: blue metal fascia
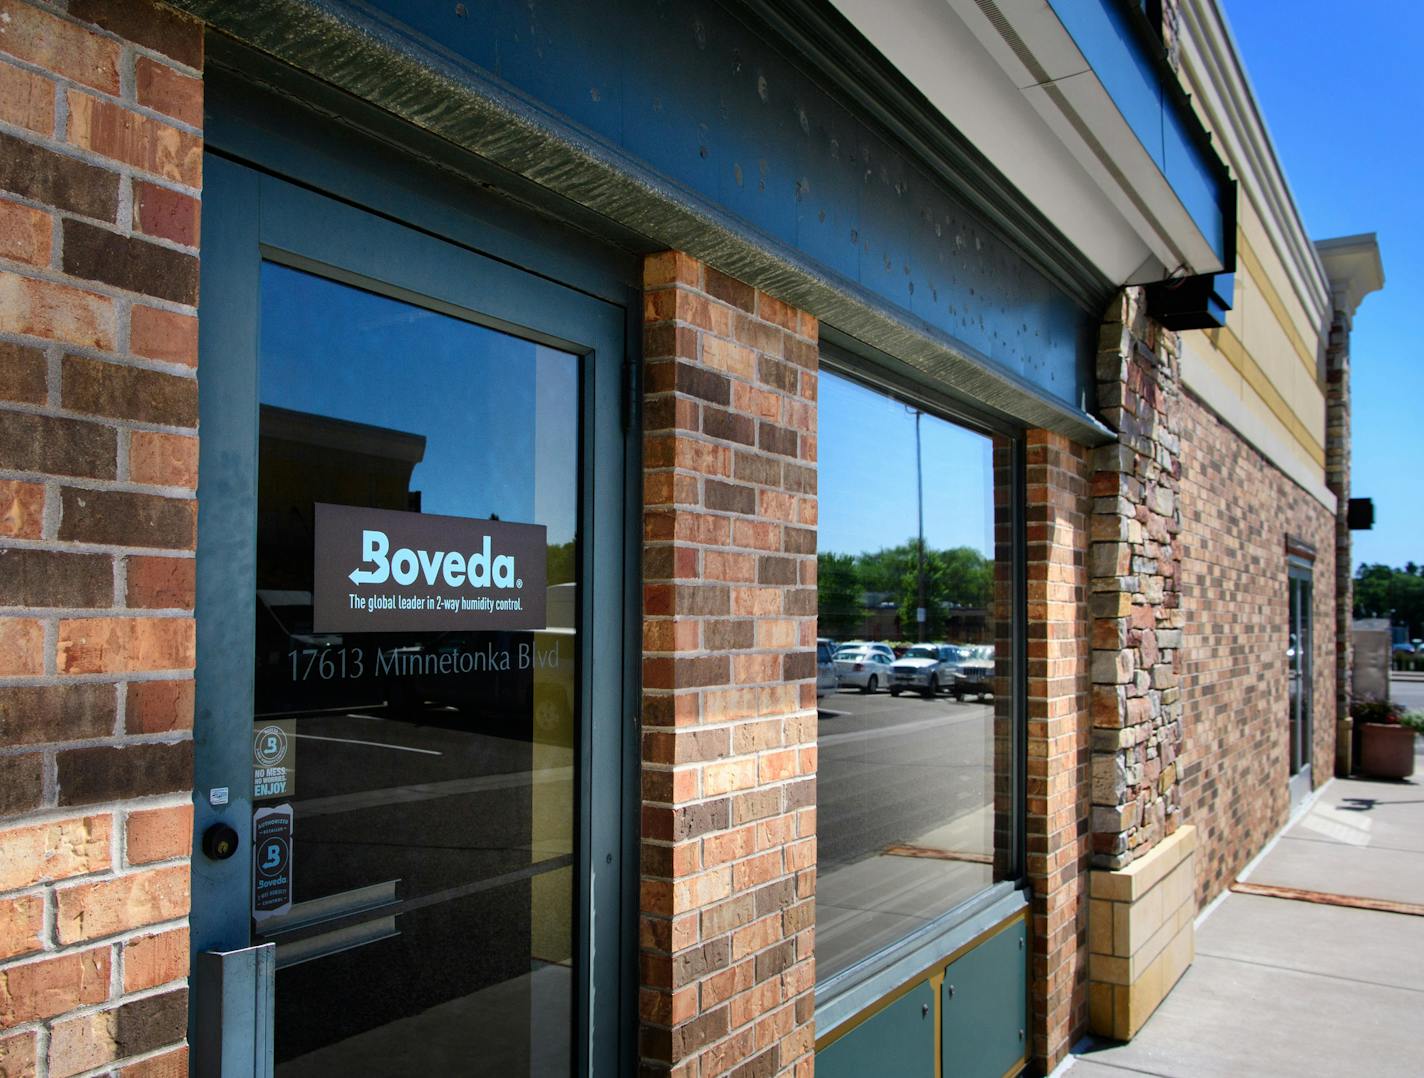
[682, 121]
[1116, 39]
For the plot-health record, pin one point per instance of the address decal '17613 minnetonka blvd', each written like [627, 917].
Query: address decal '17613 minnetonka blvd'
[378, 570]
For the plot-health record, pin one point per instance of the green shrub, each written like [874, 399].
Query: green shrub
[1414, 720]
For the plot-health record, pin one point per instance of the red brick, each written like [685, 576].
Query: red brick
[159, 211]
[153, 25]
[160, 583]
[19, 1054]
[150, 961]
[162, 88]
[133, 1028]
[168, 460]
[159, 834]
[21, 509]
[55, 850]
[26, 99]
[51, 986]
[124, 645]
[97, 774]
[159, 707]
[55, 311]
[132, 263]
[24, 232]
[21, 647]
[21, 925]
[671, 267]
[122, 517]
[23, 373]
[59, 45]
[141, 141]
[21, 783]
[163, 335]
[172, 1064]
[93, 910]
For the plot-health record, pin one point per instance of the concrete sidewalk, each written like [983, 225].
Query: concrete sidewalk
[1296, 988]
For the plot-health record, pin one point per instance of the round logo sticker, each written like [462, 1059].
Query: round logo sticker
[272, 856]
[269, 747]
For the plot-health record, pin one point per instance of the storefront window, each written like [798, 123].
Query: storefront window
[915, 590]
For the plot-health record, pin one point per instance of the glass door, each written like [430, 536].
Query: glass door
[1298, 656]
[409, 610]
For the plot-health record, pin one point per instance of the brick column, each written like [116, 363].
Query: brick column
[729, 698]
[100, 171]
[1057, 509]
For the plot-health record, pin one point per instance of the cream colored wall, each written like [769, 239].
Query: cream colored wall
[1260, 372]
[1263, 371]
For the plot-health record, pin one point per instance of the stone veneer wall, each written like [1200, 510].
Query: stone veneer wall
[1237, 511]
[727, 909]
[1136, 588]
[1139, 943]
[100, 176]
[1337, 476]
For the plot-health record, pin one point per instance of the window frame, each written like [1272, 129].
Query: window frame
[848, 992]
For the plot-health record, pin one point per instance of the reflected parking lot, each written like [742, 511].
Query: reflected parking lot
[905, 812]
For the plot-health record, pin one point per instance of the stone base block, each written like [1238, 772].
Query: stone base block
[1140, 934]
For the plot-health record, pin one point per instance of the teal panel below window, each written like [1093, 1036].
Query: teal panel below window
[985, 998]
[899, 1041]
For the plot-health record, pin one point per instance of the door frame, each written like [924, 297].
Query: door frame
[252, 214]
[1300, 736]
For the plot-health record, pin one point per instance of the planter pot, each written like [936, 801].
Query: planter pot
[1386, 751]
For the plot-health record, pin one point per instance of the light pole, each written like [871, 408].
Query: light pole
[920, 611]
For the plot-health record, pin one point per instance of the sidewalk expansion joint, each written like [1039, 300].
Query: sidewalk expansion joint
[1325, 898]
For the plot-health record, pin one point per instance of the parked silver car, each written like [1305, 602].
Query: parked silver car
[926, 669]
[862, 669]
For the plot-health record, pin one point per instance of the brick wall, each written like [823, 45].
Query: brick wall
[1237, 510]
[1057, 514]
[100, 171]
[729, 698]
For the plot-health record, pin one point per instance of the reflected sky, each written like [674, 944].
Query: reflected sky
[866, 480]
[334, 350]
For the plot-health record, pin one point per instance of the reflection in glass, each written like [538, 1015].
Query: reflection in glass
[914, 778]
[1298, 655]
[432, 852]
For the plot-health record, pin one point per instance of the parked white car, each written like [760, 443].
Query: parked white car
[863, 669]
[975, 675]
[864, 645]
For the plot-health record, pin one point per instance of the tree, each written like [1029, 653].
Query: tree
[958, 577]
[840, 602]
[1385, 592]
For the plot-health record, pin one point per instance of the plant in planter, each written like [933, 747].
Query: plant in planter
[1386, 743]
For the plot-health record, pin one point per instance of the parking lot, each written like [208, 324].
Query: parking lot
[904, 815]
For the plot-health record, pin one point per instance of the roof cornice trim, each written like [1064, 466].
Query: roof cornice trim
[1212, 63]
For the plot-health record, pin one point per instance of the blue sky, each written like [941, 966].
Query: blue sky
[499, 414]
[1337, 86]
[866, 470]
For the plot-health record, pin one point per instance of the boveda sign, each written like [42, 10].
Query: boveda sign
[378, 570]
